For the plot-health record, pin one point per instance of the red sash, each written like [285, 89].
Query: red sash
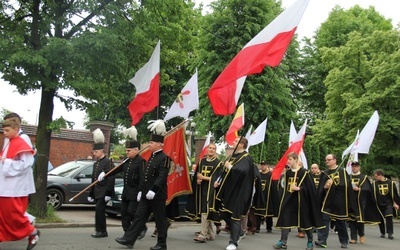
[17, 145]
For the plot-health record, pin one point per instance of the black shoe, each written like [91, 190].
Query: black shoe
[343, 246]
[269, 230]
[33, 240]
[123, 241]
[142, 234]
[157, 247]
[382, 235]
[99, 234]
[391, 237]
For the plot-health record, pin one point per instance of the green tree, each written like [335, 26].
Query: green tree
[272, 149]
[90, 47]
[334, 32]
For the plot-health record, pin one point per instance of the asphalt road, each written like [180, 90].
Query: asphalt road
[180, 236]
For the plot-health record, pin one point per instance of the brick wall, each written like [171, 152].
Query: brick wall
[69, 144]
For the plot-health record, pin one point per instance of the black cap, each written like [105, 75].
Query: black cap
[132, 144]
[157, 138]
[355, 163]
[263, 163]
[98, 146]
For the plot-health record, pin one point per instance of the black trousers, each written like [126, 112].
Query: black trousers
[128, 210]
[234, 226]
[145, 208]
[387, 212]
[100, 215]
[356, 228]
[389, 225]
[341, 227]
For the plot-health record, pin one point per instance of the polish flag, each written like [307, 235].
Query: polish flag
[237, 123]
[292, 137]
[296, 147]
[186, 101]
[147, 84]
[206, 143]
[266, 49]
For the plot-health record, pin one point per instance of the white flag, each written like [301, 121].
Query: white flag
[258, 135]
[248, 134]
[363, 142]
[186, 101]
[350, 148]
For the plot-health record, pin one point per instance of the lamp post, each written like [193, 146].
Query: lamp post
[190, 132]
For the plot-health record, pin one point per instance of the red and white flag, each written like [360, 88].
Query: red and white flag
[266, 49]
[236, 125]
[186, 101]
[296, 147]
[206, 143]
[147, 84]
[292, 137]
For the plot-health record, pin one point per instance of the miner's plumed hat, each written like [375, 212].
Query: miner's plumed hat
[158, 131]
[131, 135]
[99, 139]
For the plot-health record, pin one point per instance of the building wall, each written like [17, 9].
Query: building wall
[68, 144]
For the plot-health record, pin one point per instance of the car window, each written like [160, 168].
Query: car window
[68, 168]
[87, 172]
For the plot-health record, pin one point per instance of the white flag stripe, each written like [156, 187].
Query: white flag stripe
[145, 75]
[285, 22]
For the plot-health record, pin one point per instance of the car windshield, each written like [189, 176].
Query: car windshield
[68, 168]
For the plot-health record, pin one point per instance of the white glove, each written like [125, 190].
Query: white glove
[90, 199]
[150, 195]
[101, 176]
[139, 196]
[107, 198]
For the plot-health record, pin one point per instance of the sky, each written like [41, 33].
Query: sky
[317, 12]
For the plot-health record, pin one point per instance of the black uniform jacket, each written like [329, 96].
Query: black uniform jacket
[154, 175]
[105, 187]
[131, 169]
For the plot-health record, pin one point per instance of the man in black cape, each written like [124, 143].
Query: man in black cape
[297, 207]
[197, 206]
[387, 198]
[337, 201]
[236, 190]
[367, 208]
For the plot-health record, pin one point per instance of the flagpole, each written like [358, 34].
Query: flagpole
[262, 148]
[171, 131]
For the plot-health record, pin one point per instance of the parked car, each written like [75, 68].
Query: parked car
[68, 179]
[113, 206]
